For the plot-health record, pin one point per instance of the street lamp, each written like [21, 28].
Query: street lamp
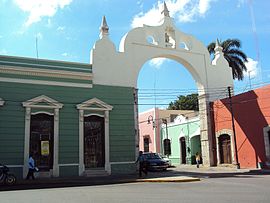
[151, 119]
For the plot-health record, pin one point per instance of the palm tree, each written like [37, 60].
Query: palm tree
[232, 53]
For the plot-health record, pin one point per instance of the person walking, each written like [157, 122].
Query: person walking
[198, 159]
[142, 164]
[31, 167]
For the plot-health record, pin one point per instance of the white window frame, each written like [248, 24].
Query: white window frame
[47, 104]
[94, 105]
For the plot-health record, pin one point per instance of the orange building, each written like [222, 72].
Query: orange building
[252, 129]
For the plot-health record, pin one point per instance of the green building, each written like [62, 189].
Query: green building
[52, 110]
[184, 136]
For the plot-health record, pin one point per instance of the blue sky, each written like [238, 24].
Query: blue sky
[67, 30]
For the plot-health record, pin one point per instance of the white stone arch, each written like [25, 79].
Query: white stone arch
[46, 104]
[101, 109]
[124, 65]
[225, 132]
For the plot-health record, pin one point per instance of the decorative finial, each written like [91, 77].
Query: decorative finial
[104, 29]
[217, 43]
[218, 47]
[219, 55]
[165, 11]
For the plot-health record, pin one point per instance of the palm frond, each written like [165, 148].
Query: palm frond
[211, 47]
[235, 57]
[239, 53]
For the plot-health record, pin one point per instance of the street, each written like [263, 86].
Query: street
[251, 188]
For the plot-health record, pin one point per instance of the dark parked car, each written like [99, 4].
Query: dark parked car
[154, 162]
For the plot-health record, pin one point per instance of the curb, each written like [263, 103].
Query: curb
[168, 180]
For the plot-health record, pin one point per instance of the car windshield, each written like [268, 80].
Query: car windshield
[152, 156]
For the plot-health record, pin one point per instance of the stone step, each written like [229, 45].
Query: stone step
[95, 172]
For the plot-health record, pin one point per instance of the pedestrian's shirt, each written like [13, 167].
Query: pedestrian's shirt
[140, 159]
[31, 163]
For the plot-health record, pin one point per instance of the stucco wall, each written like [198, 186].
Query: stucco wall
[186, 130]
[147, 130]
[12, 118]
[251, 111]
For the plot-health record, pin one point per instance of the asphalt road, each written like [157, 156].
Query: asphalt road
[241, 188]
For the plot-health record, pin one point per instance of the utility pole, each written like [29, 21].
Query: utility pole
[233, 126]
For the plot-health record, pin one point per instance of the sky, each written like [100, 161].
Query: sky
[68, 29]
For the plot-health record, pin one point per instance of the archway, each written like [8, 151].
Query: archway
[145, 43]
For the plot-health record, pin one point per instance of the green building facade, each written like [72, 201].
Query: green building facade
[52, 110]
[184, 136]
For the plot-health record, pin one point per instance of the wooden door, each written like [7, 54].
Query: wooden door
[94, 142]
[42, 140]
[225, 149]
[183, 150]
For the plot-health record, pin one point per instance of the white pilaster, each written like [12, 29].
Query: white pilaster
[81, 142]
[56, 144]
[26, 140]
[107, 144]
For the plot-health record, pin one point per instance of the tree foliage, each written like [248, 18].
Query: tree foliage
[188, 102]
[232, 53]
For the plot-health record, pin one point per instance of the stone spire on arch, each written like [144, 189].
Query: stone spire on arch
[104, 28]
[218, 48]
[165, 11]
[219, 58]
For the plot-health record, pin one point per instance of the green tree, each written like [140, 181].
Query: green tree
[188, 102]
[232, 53]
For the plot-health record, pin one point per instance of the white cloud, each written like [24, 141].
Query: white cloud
[3, 51]
[61, 28]
[157, 62]
[240, 3]
[40, 8]
[252, 68]
[181, 10]
[39, 35]
[49, 23]
[65, 54]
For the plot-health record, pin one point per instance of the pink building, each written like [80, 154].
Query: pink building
[149, 127]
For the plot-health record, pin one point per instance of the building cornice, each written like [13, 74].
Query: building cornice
[45, 73]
